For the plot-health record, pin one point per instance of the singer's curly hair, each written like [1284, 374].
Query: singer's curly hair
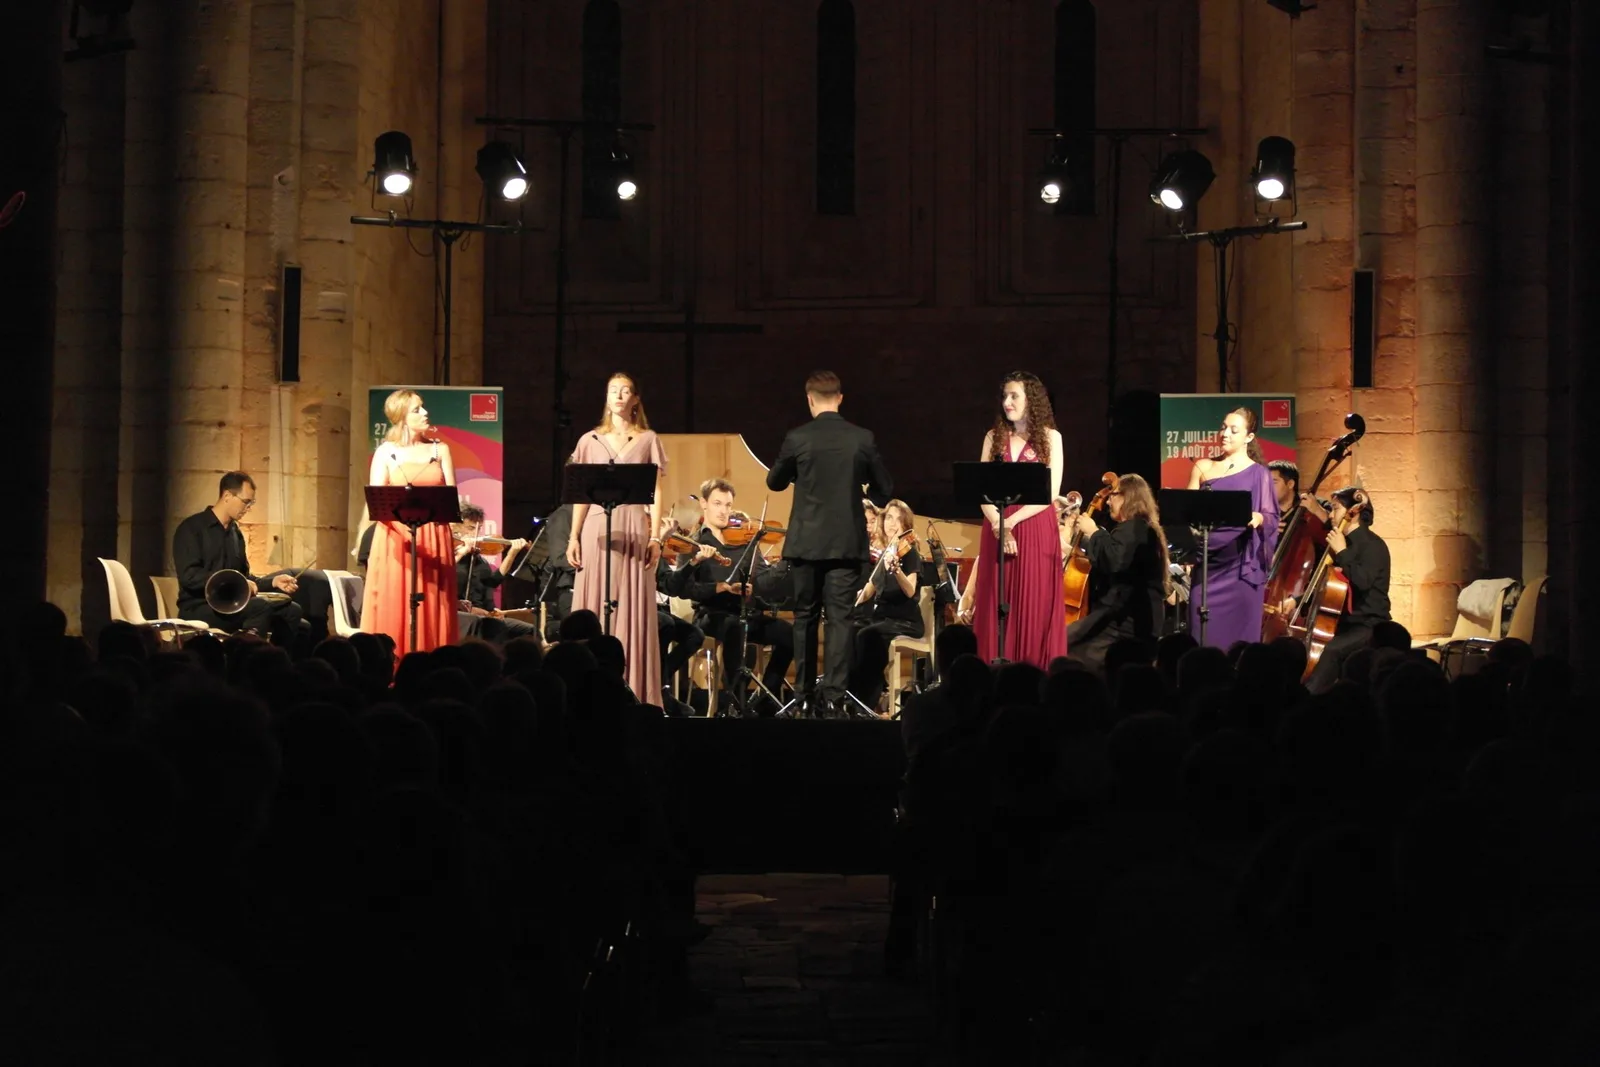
[1041, 419]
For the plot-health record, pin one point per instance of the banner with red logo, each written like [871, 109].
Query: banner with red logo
[468, 418]
[1190, 423]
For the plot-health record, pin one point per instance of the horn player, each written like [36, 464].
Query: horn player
[210, 541]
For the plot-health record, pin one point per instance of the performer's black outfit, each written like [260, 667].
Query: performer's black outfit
[1127, 583]
[202, 546]
[680, 639]
[827, 461]
[1365, 562]
[476, 580]
[889, 614]
[717, 614]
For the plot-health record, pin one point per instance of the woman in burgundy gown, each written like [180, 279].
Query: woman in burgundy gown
[1236, 585]
[624, 435]
[1036, 631]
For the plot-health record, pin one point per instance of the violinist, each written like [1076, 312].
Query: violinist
[680, 638]
[1128, 573]
[888, 603]
[718, 601]
[477, 578]
[1363, 556]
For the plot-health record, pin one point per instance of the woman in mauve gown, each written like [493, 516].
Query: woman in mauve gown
[411, 454]
[623, 435]
[1036, 630]
[1240, 556]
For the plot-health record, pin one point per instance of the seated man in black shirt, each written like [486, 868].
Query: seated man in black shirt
[1364, 558]
[680, 638]
[476, 580]
[717, 602]
[210, 541]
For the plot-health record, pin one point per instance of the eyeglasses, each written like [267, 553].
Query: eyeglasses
[247, 504]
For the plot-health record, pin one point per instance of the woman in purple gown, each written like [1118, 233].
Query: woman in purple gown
[1241, 556]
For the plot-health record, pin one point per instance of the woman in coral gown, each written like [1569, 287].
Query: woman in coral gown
[1036, 630]
[623, 435]
[411, 454]
[1235, 585]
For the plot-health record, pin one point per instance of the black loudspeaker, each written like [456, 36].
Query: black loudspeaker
[1363, 328]
[289, 325]
[1136, 435]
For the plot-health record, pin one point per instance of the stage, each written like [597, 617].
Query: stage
[792, 795]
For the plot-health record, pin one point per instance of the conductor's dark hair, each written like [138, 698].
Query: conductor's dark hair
[234, 481]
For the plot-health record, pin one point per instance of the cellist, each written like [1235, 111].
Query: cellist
[1128, 574]
[1363, 556]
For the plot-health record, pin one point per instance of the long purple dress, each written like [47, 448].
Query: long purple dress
[1240, 560]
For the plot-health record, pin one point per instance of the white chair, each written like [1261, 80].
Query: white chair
[346, 589]
[903, 648]
[125, 606]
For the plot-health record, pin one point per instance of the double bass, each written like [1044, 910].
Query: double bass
[1315, 619]
[1301, 541]
[1075, 566]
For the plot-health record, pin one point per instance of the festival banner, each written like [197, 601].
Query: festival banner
[1192, 422]
[468, 420]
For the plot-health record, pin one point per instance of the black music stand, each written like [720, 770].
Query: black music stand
[1001, 485]
[1204, 510]
[609, 486]
[414, 506]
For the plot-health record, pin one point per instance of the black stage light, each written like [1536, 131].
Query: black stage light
[393, 165]
[1274, 173]
[1055, 181]
[1293, 8]
[502, 171]
[1182, 180]
[627, 185]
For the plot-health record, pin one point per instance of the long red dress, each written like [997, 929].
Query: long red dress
[1036, 629]
[633, 585]
[384, 607]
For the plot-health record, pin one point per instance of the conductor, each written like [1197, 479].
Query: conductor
[827, 460]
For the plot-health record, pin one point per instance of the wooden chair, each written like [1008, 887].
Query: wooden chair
[125, 606]
[346, 589]
[1469, 644]
[903, 649]
[706, 670]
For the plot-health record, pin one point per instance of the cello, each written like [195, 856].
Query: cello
[1075, 566]
[1315, 619]
[1301, 541]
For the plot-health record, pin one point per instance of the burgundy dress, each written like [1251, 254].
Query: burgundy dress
[1036, 630]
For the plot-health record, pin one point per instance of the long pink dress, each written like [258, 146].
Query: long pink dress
[384, 605]
[633, 585]
[1036, 629]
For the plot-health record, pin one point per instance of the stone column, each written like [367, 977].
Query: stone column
[1454, 372]
[88, 353]
[184, 284]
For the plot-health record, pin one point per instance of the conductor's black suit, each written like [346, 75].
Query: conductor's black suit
[827, 461]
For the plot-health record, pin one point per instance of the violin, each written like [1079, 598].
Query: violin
[901, 547]
[741, 531]
[1315, 619]
[487, 546]
[676, 545]
[1075, 568]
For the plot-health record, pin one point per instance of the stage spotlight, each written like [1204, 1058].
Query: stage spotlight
[1274, 173]
[502, 171]
[1182, 180]
[393, 165]
[627, 186]
[1055, 181]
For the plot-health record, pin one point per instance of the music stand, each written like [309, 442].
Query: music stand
[609, 486]
[1205, 510]
[414, 506]
[1001, 485]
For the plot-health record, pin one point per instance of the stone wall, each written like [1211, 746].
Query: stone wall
[233, 140]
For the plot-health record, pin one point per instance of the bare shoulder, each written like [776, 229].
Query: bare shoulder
[1055, 439]
[1204, 466]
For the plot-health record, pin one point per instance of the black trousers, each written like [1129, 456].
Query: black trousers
[315, 597]
[680, 640]
[872, 640]
[824, 585]
[764, 630]
[1349, 637]
[493, 630]
[277, 620]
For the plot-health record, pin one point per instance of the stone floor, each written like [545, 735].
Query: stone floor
[796, 965]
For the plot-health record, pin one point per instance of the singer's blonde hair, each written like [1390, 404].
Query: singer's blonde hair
[640, 420]
[395, 409]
